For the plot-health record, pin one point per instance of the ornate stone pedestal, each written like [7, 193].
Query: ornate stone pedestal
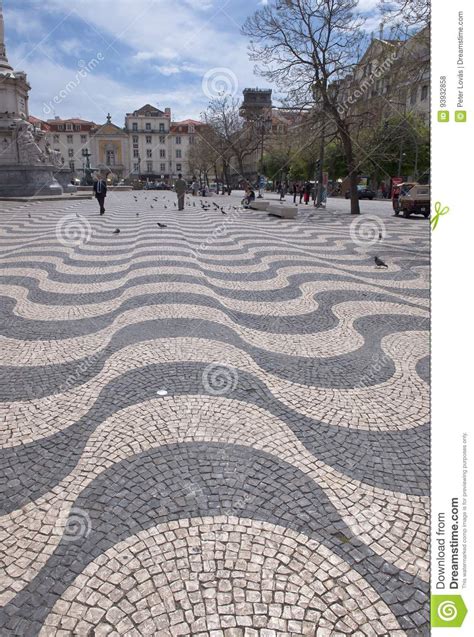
[63, 176]
[17, 180]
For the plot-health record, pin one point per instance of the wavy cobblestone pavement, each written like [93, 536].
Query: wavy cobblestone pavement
[216, 428]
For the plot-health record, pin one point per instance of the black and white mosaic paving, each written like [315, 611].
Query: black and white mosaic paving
[216, 428]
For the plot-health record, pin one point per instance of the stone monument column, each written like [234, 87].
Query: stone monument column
[25, 169]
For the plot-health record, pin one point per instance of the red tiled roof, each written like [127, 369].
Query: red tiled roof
[39, 122]
[72, 120]
[187, 122]
[183, 127]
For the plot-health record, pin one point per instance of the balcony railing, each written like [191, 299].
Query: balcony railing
[155, 131]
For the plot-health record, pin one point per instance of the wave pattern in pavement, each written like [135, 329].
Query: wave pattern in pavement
[220, 427]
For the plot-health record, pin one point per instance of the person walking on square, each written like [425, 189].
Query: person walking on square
[296, 190]
[307, 192]
[180, 188]
[99, 188]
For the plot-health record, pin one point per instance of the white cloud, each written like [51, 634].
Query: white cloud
[182, 41]
[143, 56]
[168, 70]
[367, 5]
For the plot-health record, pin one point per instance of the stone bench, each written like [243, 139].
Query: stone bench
[259, 205]
[285, 212]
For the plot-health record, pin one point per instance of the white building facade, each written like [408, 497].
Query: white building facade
[149, 147]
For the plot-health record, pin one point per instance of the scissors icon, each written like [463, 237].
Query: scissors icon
[439, 212]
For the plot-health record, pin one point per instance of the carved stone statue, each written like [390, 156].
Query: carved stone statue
[53, 157]
[28, 150]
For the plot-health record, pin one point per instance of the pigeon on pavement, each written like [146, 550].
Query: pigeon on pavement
[162, 225]
[116, 231]
[379, 263]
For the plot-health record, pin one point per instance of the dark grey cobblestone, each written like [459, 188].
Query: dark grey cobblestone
[258, 466]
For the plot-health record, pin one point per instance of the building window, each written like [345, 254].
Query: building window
[135, 153]
[178, 140]
[72, 166]
[148, 139]
[135, 139]
[61, 127]
[70, 152]
[134, 126]
[163, 168]
[161, 128]
[149, 153]
[424, 93]
[135, 168]
[148, 126]
[149, 166]
[162, 139]
[77, 127]
[68, 126]
[83, 139]
[178, 154]
[162, 153]
[191, 139]
[413, 95]
[55, 139]
[178, 168]
[70, 139]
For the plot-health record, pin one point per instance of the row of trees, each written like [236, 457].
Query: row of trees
[400, 145]
[224, 143]
[308, 48]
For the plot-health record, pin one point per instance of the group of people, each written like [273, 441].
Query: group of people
[303, 190]
[99, 188]
[299, 189]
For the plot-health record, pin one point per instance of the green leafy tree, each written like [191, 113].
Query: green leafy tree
[307, 47]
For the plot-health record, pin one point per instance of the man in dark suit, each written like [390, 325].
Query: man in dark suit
[100, 190]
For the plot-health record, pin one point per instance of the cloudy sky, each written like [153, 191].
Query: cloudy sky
[129, 53]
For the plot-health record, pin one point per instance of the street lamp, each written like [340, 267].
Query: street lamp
[263, 121]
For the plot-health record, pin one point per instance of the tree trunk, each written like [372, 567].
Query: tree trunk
[353, 175]
[345, 137]
[226, 174]
[240, 161]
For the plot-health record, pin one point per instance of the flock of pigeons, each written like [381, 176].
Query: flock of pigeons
[203, 205]
[207, 206]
